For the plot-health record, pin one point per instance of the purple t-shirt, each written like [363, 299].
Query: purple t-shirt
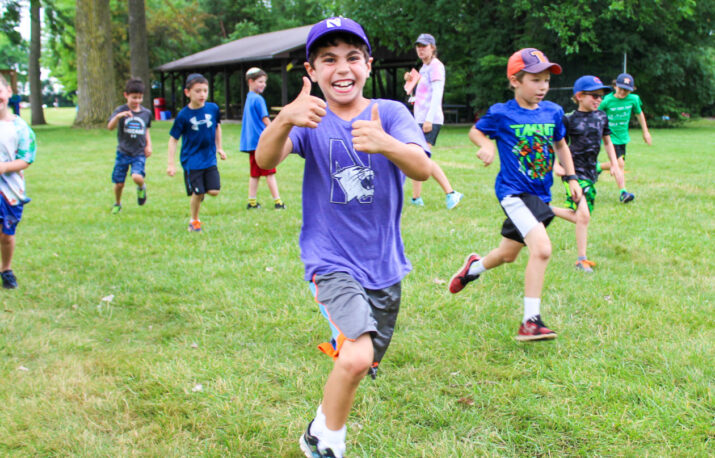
[352, 200]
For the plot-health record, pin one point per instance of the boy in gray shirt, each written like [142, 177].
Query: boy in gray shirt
[133, 142]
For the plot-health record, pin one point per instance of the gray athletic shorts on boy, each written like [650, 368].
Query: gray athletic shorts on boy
[353, 310]
[523, 212]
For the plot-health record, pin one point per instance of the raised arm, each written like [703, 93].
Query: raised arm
[115, 120]
[370, 137]
[305, 111]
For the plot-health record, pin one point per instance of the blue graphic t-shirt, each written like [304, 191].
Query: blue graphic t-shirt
[352, 200]
[252, 124]
[198, 128]
[525, 140]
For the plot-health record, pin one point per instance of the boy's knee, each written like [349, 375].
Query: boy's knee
[509, 257]
[355, 364]
[583, 217]
[212, 192]
[541, 251]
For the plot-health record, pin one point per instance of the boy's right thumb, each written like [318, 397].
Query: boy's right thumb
[306, 86]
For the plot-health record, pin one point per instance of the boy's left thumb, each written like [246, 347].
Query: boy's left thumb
[375, 113]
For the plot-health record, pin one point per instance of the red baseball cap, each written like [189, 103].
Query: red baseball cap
[530, 60]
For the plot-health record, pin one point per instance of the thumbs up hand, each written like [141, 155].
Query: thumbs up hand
[306, 110]
[369, 136]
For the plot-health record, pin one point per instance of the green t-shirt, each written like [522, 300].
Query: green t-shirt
[619, 114]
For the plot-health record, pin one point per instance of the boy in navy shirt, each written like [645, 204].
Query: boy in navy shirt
[528, 131]
[357, 152]
[199, 124]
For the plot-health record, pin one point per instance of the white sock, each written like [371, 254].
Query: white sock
[318, 423]
[334, 438]
[531, 307]
[476, 268]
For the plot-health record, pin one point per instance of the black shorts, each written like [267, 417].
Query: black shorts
[523, 212]
[620, 151]
[202, 180]
[431, 136]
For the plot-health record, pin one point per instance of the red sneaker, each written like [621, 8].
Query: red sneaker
[462, 277]
[534, 329]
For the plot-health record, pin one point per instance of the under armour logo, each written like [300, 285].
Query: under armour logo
[195, 123]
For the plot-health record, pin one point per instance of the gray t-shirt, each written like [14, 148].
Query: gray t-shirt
[131, 131]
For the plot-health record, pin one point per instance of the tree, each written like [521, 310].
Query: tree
[138, 49]
[95, 73]
[38, 115]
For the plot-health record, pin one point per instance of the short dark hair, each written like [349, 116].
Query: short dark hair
[195, 78]
[332, 40]
[134, 86]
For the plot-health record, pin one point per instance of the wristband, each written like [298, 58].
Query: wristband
[569, 178]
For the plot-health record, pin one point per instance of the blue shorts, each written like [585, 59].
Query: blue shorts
[122, 163]
[10, 216]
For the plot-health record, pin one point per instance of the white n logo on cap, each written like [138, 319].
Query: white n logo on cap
[334, 22]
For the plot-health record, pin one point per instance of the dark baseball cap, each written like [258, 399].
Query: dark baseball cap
[530, 60]
[626, 81]
[426, 39]
[589, 83]
[333, 25]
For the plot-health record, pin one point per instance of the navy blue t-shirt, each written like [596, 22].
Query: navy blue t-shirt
[198, 129]
[525, 140]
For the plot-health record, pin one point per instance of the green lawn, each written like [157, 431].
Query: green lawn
[630, 374]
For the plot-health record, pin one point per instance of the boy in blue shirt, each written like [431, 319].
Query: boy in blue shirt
[357, 152]
[133, 142]
[199, 124]
[255, 119]
[528, 131]
[17, 152]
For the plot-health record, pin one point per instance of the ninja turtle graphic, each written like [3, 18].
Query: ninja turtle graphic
[535, 155]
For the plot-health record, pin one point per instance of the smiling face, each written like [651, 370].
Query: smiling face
[197, 94]
[589, 101]
[532, 88]
[341, 71]
[258, 85]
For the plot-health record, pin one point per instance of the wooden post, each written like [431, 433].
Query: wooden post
[284, 82]
[227, 90]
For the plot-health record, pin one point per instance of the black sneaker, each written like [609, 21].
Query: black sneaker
[253, 207]
[280, 206]
[141, 195]
[462, 277]
[8, 280]
[309, 445]
[626, 197]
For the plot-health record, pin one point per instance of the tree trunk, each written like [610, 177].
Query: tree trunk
[38, 115]
[96, 86]
[138, 49]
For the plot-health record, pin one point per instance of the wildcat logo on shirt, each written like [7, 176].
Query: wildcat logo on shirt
[352, 176]
[534, 150]
[195, 123]
[134, 127]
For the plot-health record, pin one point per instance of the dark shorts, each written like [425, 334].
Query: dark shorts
[122, 163]
[202, 180]
[10, 216]
[256, 171]
[431, 136]
[620, 151]
[352, 311]
[523, 212]
[589, 192]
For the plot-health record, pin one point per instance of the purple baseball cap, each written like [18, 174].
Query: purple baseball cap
[625, 81]
[332, 25]
[589, 83]
[530, 60]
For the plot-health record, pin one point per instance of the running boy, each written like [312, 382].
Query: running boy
[17, 152]
[255, 119]
[528, 131]
[618, 106]
[357, 152]
[585, 128]
[133, 142]
[199, 124]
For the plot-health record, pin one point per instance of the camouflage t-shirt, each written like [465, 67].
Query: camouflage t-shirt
[584, 132]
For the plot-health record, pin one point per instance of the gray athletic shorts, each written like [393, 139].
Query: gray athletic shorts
[353, 310]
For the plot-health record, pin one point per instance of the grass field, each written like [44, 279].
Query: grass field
[631, 373]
